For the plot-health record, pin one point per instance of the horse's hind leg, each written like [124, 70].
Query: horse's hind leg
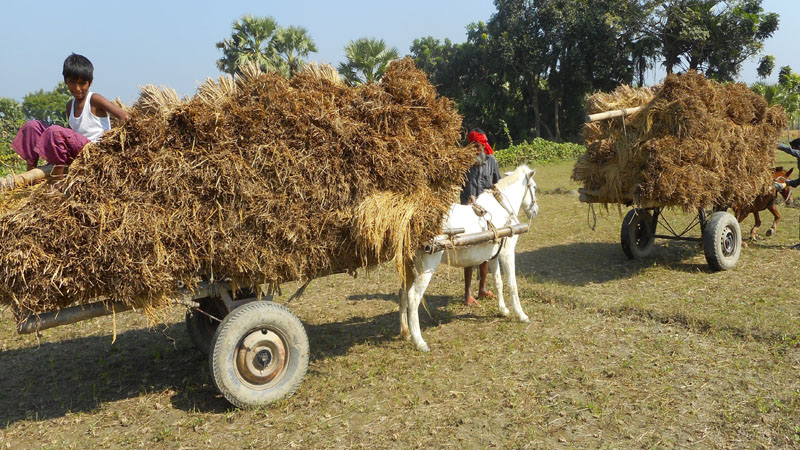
[494, 268]
[774, 210]
[403, 297]
[756, 225]
[425, 266]
[403, 301]
[508, 265]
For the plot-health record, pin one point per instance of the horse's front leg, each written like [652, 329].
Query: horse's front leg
[494, 268]
[774, 210]
[508, 265]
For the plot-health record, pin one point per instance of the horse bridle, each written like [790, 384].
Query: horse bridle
[505, 203]
[529, 189]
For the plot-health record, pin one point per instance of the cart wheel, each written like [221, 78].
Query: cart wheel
[200, 326]
[259, 354]
[722, 241]
[638, 234]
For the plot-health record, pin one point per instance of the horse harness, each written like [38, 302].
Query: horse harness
[480, 211]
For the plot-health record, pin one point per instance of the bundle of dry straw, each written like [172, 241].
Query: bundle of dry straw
[261, 180]
[695, 143]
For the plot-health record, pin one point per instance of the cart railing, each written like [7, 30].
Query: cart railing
[74, 314]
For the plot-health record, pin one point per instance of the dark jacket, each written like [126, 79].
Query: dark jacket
[481, 176]
[786, 149]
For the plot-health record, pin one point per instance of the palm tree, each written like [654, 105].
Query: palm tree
[251, 41]
[771, 92]
[783, 95]
[367, 60]
[291, 44]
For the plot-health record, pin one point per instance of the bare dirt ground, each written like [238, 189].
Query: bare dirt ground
[660, 353]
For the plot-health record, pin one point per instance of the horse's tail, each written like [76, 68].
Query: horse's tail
[425, 305]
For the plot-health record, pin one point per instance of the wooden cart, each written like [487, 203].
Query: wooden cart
[719, 230]
[720, 234]
[257, 349]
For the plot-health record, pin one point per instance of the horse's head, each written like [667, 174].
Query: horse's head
[519, 184]
[529, 204]
[779, 175]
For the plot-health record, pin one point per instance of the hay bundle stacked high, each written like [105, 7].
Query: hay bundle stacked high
[261, 180]
[695, 143]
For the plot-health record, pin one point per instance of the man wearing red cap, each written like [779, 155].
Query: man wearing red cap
[482, 175]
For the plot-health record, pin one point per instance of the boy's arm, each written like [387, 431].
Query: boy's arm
[101, 103]
[69, 108]
[786, 149]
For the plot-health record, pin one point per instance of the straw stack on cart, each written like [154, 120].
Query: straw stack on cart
[694, 143]
[258, 179]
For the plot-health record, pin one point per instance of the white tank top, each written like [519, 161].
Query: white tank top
[88, 124]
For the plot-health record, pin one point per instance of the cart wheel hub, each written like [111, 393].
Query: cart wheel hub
[263, 358]
[260, 358]
[728, 242]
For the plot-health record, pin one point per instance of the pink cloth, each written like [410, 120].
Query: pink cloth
[57, 145]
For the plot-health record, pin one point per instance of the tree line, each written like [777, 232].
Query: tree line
[526, 71]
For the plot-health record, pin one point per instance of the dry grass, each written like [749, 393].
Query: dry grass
[619, 354]
[257, 180]
[694, 143]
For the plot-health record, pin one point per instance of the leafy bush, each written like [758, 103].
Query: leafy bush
[538, 151]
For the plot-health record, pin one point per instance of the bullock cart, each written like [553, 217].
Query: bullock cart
[720, 235]
[257, 349]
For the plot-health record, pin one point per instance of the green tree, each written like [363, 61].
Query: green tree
[770, 91]
[367, 60]
[556, 51]
[785, 93]
[441, 62]
[711, 36]
[789, 93]
[292, 44]
[251, 41]
[47, 106]
[765, 66]
[11, 119]
[468, 73]
[533, 63]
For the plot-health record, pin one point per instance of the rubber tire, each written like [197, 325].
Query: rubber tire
[200, 327]
[638, 221]
[722, 226]
[234, 328]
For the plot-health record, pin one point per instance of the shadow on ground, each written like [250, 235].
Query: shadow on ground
[79, 375]
[576, 264]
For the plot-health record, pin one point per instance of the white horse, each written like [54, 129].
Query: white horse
[517, 190]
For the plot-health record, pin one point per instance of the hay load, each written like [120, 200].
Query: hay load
[259, 180]
[695, 143]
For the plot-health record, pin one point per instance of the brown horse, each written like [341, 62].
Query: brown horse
[766, 201]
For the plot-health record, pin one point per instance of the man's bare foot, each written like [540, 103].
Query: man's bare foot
[471, 302]
[486, 294]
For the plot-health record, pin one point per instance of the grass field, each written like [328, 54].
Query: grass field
[660, 353]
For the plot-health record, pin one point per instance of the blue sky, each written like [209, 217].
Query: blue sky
[172, 43]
